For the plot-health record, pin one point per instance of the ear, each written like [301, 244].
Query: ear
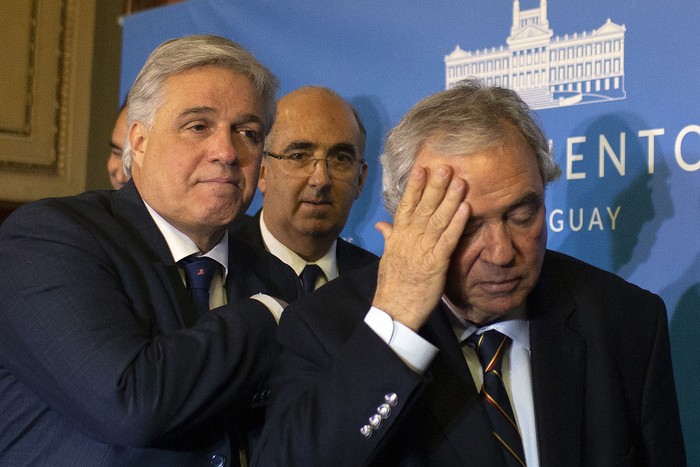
[138, 139]
[262, 179]
[361, 179]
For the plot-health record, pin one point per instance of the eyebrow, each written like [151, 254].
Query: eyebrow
[299, 144]
[529, 199]
[206, 110]
[343, 147]
[304, 144]
[196, 111]
[114, 145]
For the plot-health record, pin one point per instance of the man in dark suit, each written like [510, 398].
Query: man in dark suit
[105, 359]
[312, 173]
[384, 366]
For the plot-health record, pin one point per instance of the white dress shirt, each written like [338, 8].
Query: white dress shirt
[181, 246]
[327, 262]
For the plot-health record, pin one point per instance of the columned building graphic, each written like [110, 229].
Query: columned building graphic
[547, 70]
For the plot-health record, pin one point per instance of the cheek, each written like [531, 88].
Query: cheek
[462, 261]
[251, 175]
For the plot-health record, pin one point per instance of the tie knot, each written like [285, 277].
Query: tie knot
[199, 271]
[489, 347]
[309, 276]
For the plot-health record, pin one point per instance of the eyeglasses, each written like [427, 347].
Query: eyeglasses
[339, 165]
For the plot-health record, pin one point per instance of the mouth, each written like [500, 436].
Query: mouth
[316, 202]
[222, 181]
[500, 287]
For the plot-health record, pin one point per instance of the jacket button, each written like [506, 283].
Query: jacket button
[217, 460]
[366, 431]
[384, 410]
[392, 399]
[375, 421]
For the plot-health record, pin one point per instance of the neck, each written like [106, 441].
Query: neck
[309, 248]
[205, 239]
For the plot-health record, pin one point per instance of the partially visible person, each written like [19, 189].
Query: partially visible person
[312, 173]
[128, 337]
[115, 167]
[470, 343]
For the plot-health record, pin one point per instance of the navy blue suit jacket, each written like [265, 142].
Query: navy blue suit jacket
[348, 256]
[603, 385]
[102, 361]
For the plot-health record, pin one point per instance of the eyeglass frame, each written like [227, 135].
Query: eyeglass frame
[315, 160]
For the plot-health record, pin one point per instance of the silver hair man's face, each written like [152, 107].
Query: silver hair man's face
[197, 165]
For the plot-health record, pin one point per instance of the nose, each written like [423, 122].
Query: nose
[498, 246]
[320, 176]
[223, 147]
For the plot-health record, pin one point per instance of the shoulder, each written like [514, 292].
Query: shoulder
[351, 256]
[82, 210]
[594, 290]
[247, 228]
[561, 268]
[337, 307]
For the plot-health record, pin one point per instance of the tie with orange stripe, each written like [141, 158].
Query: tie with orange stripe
[490, 347]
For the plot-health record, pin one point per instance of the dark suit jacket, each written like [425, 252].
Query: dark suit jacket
[602, 381]
[102, 361]
[348, 256]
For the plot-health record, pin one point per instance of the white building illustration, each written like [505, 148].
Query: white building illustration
[548, 71]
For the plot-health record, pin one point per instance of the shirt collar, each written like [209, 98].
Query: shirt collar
[182, 246]
[327, 262]
[515, 325]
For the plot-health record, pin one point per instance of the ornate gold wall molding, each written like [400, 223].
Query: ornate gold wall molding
[44, 97]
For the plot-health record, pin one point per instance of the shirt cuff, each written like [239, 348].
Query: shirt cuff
[411, 348]
[275, 306]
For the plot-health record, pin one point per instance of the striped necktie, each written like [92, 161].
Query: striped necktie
[490, 347]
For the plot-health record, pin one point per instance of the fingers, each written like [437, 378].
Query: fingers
[428, 225]
[441, 203]
[429, 204]
[411, 195]
[384, 228]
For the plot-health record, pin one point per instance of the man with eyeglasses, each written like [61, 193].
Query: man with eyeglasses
[312, 172]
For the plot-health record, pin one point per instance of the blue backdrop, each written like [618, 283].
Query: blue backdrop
[614, 83]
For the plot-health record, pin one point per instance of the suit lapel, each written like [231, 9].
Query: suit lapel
[453, 399]
[558, 370]
[351, 257]
[253, 270]
[130, 211]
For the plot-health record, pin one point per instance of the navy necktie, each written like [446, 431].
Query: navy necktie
[199, 271]
[490, 347]
[309, 276]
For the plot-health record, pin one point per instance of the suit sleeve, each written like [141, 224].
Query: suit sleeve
[325, 389]
[86, 334]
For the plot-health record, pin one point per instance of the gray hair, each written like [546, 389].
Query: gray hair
[461, 120]
[185, 53]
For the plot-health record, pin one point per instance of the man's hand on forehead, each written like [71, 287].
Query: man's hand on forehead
[428, 224]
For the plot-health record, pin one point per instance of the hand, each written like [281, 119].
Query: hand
[428, 224]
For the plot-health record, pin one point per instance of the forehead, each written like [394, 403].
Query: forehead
[214, 87]
[495, 175]
[119, 130]
[319, 118]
